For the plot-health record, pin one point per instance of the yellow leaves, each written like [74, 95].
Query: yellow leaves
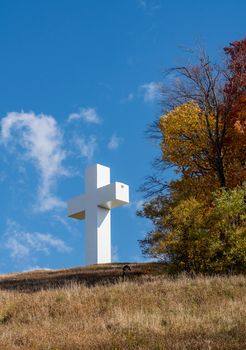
[185, 140]
[188, 210]
[192, 141]
[239, 127]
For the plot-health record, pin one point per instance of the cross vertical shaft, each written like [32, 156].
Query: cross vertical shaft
[98, 219]
[95, 207]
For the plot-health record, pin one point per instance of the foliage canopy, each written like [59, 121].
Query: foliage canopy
[199, 220]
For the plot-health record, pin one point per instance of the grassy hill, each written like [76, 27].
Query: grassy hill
[95, 308]
[89, 276]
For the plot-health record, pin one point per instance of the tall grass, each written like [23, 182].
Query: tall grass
[151, 313]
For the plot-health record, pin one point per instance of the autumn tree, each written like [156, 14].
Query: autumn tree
[203, 136]
[195, 236]
[235, 94]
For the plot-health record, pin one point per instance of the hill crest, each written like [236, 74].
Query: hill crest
[92, 275]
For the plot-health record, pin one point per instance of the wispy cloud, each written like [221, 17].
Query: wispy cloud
[135, 205]
[35, 268]
[141, 259]
[88, 115]
[139, 204]
[142, 3]
[114, 142]
[67, 223]
[150, 91]
[41, 140]
[23, 244]
[128, 98]
[149, 6]
[85, 148]
[17, 249]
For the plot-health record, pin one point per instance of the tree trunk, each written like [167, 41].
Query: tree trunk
[220, 169]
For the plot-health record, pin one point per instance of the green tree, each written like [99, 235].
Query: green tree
[200, 236]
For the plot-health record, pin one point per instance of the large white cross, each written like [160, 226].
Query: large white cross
[95, 206]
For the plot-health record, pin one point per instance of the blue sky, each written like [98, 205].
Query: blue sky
[79, 85]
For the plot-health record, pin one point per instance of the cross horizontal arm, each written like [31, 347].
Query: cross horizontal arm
[113, 195]
[76, 207]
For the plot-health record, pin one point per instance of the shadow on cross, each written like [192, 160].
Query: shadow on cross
[89, 276]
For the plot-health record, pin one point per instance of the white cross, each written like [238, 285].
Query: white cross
[95, 207]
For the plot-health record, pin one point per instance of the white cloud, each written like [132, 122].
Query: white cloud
[129, 98]
[134, 206]
[88, 115]
[141, 259]
[22, 244]
[149, 5]
[114, 142]
[41, 140]
[142, 3]
[85, 148]
[67, 223]
[139, 204]
[150, 91]
[36, 268]
[16, 248]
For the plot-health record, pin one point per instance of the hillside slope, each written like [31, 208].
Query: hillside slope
[90, 276]
[83, 309]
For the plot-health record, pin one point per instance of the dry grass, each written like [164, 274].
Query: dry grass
[152, 312]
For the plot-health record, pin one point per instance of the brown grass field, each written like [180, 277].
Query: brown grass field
[94, 308]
